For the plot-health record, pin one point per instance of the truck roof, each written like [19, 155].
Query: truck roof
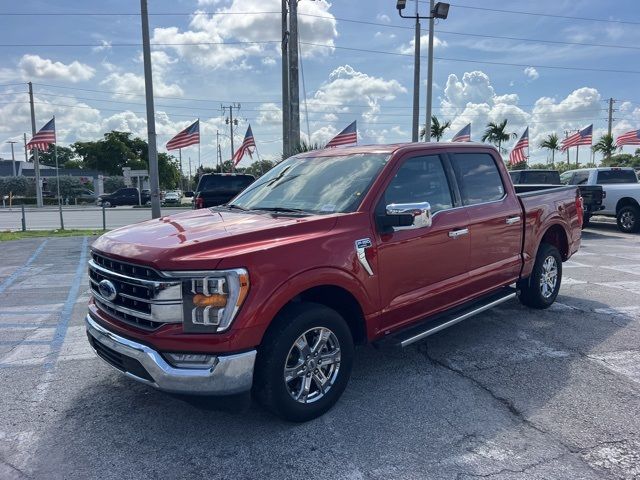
[394, 147]
[599, 169]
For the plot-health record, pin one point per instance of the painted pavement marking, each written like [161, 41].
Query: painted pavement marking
[12, 278]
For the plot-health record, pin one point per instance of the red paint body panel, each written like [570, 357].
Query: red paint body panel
[416, 272]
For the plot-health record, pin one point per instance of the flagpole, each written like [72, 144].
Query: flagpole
[180, 156]
[199, 141]
[55, 155]
[577, 159]
[189, 179]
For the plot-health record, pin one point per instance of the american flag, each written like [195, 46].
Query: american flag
[517, 154]
[463, 135]
[244, 148]
[188, 136]
[45, 136]
[581, 137]
[347, 136]
[629, 138]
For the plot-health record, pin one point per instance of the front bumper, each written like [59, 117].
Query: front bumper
[229, 374]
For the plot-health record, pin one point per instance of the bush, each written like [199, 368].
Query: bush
[17, 185]
[111, 184]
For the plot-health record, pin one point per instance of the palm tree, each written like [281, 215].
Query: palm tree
[496, 134]
[437, 129]
[551, 143]
[606, 145]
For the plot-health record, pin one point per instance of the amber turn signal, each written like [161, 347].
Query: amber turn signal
[216, 300]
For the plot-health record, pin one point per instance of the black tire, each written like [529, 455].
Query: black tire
[628, 219]
[534, 292]
[277, 349]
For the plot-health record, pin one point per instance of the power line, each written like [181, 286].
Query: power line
[536, 14]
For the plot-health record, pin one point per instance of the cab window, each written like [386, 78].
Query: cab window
[420, 179]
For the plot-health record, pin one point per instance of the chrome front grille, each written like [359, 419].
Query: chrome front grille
[143, 298]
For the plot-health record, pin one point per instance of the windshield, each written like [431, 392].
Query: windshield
[210, 183]
[321, 185]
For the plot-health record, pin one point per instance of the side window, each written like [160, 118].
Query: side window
[580, 178]
[616, 176]
[478, 178]
[420, 179]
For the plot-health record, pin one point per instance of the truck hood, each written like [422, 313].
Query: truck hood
[200, 239]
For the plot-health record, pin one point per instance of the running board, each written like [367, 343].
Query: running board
[439, 322]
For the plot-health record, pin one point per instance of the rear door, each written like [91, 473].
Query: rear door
[495, 220]
[421, 270]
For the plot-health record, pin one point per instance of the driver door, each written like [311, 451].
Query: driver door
[422, 270]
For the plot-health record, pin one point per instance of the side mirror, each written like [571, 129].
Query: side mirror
[406, 216]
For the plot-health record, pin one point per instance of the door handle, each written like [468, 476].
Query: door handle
[459, 232]
[512, 220]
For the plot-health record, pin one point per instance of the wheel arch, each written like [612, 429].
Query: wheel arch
[557, 236]
[333, 288]
[626, 202]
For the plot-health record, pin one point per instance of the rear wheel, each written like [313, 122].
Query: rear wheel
[304, 363]
[541, 288]
[628, 219]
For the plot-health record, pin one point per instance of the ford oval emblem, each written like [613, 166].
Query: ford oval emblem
[108, 290]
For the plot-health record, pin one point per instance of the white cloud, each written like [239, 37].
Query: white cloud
[269, 114]
[34, 66]
[204, 42]
[532, 73]
[424, 45]
[269, 61]
[348, 86]
[130, 85]
[382, 17]
[104, 45]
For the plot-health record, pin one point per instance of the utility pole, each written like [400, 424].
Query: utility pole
[611, 102]
[36, 163]
[427, 123]
[218, 149]
[154, 177]
[294, 84]
[416, 81]
[13, 157]
[189, 181]
[286, 106]
[26, 154]
[231, 122]
[566, 135]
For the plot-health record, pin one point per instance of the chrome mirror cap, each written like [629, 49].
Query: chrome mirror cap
[421, 212]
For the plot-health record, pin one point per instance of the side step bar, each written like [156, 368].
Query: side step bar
[439, 322]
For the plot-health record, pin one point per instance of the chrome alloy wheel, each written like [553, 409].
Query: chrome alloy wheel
[627, 220]
[549, 277]
[312, 365]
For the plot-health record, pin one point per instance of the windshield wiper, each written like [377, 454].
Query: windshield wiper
[236, 207]
[282, 210]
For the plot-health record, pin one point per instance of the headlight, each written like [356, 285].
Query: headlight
[211, 303]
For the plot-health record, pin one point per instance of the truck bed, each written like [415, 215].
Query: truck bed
[545, 205]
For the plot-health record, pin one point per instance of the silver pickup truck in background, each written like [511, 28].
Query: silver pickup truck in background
[621, 193]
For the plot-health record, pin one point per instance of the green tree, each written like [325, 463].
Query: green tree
[606, 145]
[551, 143]
[496, 133]
[437, 129]
[259, 168]
[67, 158]
[623, 160]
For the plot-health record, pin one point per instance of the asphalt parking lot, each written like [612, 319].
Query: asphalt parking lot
[510, 394]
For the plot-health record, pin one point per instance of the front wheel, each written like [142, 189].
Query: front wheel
[541, 288]
[628, 219]
[304, 363]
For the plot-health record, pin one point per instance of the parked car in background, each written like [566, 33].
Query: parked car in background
[218, 188]
[172, 198]
[85, 196]
[124, 196]
[534, 179]
[621, 192]
[331, 248]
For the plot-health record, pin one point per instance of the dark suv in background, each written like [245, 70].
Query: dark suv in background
[218, 188]
[124, 196]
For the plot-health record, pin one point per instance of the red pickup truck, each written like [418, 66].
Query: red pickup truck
[330, 249]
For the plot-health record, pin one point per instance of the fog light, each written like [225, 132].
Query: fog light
[191, 360]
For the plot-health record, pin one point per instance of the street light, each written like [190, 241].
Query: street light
[439, 10]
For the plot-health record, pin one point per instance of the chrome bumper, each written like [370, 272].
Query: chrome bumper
[230, 373]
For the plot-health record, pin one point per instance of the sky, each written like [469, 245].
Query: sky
[548, 66]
